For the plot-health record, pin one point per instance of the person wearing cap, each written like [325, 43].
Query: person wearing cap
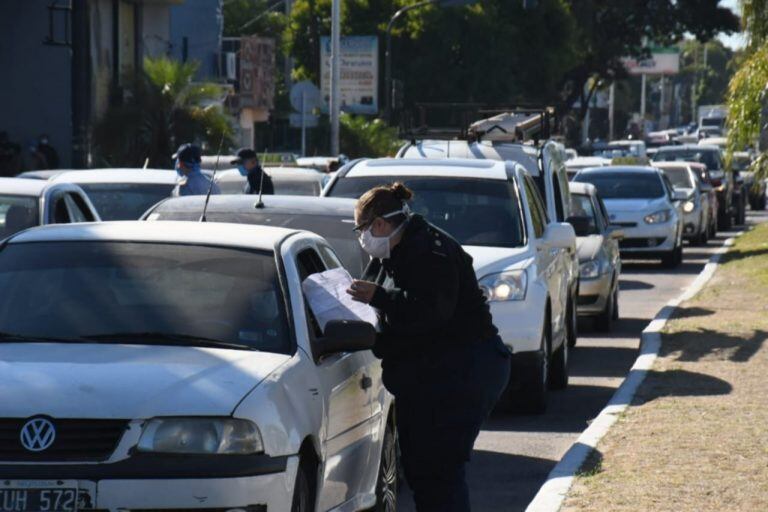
[247, 162]
[192, 181]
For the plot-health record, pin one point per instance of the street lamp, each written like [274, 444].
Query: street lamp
[388, 53]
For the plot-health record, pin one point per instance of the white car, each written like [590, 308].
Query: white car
[289, 181]
[545, 163]
[26, 203]
[122, 194]
[494, 210]
[643, 203]
[697, 223]
[574, 165]
[176, 366]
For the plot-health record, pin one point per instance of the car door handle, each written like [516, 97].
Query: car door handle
[366, 382]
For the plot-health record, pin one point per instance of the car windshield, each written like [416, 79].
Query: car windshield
[143, 293]
[706, 157]
[125, 201]
[335, 229]
[474, 211]
[581, 206]
[624, 185]
[679, 176]
[18, 213]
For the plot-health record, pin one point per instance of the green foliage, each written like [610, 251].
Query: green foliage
[755, 21]
[249, 17]
[362, 137]
[163, 109]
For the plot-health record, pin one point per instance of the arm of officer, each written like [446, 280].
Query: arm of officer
[428, 302]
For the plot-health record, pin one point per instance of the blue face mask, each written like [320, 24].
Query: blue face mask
[243, 170]
[191, 166]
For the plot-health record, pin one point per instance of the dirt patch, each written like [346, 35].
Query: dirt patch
[696, 435]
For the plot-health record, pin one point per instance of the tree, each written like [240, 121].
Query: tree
[164, 108]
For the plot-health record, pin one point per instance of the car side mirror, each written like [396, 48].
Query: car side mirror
[615, 232]
[581, 224]
[344, 336]
[560, 235]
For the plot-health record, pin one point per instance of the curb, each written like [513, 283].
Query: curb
[552, 494]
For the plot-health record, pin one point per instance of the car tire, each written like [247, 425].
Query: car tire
[386, 482]
[534, 397]
[741, 215]
[573, 323]
[673, 258]
[303, 496]
[724, 222]
[616, 302]
[604, 321]
[558, 371]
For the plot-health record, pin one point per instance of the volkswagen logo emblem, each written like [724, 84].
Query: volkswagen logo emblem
[37, 434]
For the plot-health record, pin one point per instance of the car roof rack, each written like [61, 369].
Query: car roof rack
[476, 122]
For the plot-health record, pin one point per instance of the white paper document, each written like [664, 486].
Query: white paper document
[328, 299]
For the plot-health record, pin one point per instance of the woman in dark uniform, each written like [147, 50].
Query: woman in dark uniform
[441, 355]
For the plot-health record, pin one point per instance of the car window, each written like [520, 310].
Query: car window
[83, 289]
[125, 201]
[581, 206]
[678, 176]
[624, 185]
[667, 185]
[482, 212]
[60, 210]
[74, 212]
[538, 218]
[602, 220]
[708, 157]
[18, 213]
[309, 262]
[81, 204]
[603, 211]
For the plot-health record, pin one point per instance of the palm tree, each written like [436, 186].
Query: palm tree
[164, 108]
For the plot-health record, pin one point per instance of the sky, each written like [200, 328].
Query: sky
[734, 41]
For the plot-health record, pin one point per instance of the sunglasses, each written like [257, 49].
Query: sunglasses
[362, 227]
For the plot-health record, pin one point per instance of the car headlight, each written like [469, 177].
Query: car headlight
[590, 269]
[659, 217]
[202, 436]
[510, 285]
[689, 206]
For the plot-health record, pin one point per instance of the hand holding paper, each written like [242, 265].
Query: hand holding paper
[328, 299]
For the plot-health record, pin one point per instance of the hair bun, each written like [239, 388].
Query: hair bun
[401, 192]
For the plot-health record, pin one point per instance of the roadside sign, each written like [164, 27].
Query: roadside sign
[359, 73]
[663, 61]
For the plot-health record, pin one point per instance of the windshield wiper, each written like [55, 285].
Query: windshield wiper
[13, 337]
[165, 338]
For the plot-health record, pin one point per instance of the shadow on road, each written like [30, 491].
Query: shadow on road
[632, 284]
[691, 312]
[591, 361]
[622, 328]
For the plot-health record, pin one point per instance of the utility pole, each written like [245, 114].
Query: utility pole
[335, 100]
[611, 103]
[642, 97]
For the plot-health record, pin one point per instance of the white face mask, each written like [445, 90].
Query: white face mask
[379, 246]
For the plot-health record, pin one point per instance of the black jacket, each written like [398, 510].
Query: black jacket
[428, 298]
[255, 181]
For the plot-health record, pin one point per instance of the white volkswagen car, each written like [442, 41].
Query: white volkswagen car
[177, 366]
[495, 211]
[643, 203]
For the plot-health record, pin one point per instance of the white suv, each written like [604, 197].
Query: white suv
[546, 165]
[495, 211]
[176, 365]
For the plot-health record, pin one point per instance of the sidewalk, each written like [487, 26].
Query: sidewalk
[696, 435]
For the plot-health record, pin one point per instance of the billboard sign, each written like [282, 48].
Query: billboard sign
[359, 73]
[257, 72]
[663, 61]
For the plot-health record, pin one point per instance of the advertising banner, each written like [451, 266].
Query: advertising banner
[359, 73]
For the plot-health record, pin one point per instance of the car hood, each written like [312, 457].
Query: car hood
[634, 205]
[588, 247]
[487, 260]
[67, 380]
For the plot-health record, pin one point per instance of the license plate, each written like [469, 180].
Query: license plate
[47, 496]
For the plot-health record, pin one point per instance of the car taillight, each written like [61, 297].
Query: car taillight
[716, 182]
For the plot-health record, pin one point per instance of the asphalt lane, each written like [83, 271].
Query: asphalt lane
[515, 453]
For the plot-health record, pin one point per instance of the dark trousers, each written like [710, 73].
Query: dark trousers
[441, 402]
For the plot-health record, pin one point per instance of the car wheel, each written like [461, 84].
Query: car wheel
[761, 203]
[573, 323]
[534, 398]
[724, 222]
[741, 215]
[604, 320]
[558, 378]
[303, 497]
[386, 483]
[671, 259]
[616, 302]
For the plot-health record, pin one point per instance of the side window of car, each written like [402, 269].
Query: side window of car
[667, 185]
[59, 209]
[538, 218]
[329, 257]
[602, 221]
[82, 207]
[75, 214]
[308, 263]
[558, 194]
[603, 211]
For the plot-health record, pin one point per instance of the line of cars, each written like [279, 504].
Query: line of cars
[202, 377]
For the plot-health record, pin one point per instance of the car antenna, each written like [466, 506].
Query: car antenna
[213, 176]
[146, 163]
[260, 204]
